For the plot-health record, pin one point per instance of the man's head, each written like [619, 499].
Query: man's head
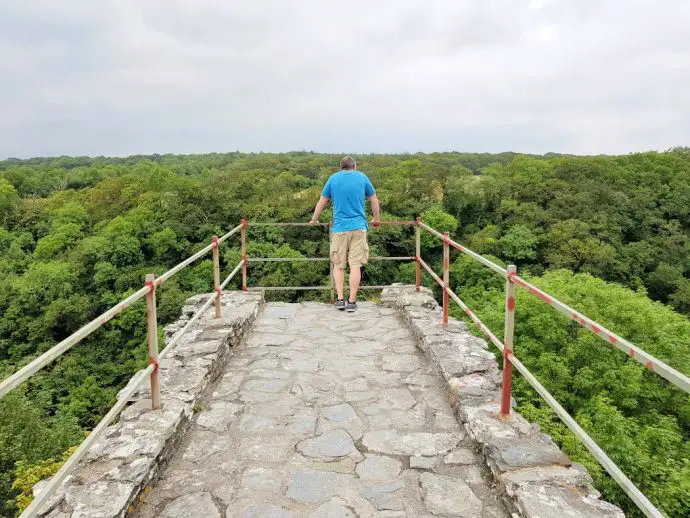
[348, 163]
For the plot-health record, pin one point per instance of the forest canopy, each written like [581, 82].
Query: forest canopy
[609, 235]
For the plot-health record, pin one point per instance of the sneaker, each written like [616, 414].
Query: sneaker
[351, 307]
[339, 304]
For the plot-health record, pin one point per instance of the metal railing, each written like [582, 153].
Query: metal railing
[506, 347]
[510, 360]
[245, 225]
[150, 372]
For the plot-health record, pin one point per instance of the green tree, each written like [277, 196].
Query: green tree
[663, 281]
[680, 299]
[438, 220]
[28, 475]
[519, 244]
[27, 436]
[9, 199]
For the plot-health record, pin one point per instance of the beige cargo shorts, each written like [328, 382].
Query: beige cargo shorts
[349, 248]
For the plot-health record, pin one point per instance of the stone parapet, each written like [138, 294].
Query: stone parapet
[126, 461]
[535, 477]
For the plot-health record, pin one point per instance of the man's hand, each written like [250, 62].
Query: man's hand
[376, 222]
[313, 221]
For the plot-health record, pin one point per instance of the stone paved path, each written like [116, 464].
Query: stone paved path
[326, 414]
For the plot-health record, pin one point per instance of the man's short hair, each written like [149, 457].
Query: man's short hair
[347, 163]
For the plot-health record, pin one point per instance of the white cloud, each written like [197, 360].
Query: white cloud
[538, 4]
[131, 76]
[542, 33]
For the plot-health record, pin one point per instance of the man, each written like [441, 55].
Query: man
[347, 189]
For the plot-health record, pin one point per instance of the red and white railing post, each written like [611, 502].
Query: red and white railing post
[216, 275]
[244, 254]
[446, 277]
[152, 336]
[508, 332]
[418, 256]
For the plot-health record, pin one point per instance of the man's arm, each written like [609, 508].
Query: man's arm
[323, 201]
[370, 193]
[375, 209]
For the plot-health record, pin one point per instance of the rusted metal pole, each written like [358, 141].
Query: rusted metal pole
[446, 277]
[508, 332]
[152, 335]
[216, 274]
[244, 254]
[418, 256]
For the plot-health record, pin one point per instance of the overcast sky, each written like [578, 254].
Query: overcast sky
[119, 77]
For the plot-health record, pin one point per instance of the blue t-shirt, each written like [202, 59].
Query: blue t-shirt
[348, 189]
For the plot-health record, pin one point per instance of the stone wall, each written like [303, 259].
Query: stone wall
[126, 461]
[536, 478]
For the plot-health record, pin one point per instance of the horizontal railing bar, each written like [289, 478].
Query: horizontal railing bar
[232, 274]
[325, 259]
[431, 230]
[289, 224]
[231, 233]
[396, 223]
[285, 259]
[487, 332]
[431, 272]
[623, 481]
[477, 257]
[47, 357]
[303, 288]
[678, 379]
[306, 224]
[287, 288]
[164, 277]
[48, 491]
